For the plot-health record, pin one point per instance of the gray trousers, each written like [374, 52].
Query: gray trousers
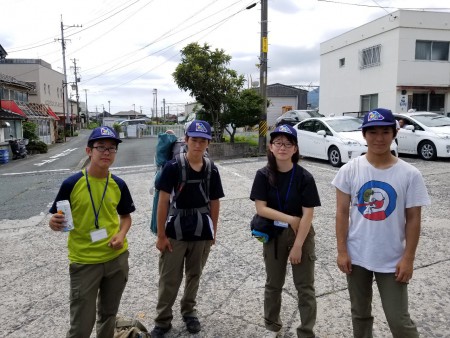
[394, 299]
[303, 275]
[191, 256]
[102, 283]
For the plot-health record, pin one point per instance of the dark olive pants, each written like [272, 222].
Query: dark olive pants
[394, 299]
[191, 256]
[102, 283]
[303, 275]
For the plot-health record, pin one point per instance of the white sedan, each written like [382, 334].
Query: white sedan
[425, 134]
[337, 139]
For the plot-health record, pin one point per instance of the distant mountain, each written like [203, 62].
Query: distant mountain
[313, 98]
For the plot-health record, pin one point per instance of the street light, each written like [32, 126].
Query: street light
[109, 106]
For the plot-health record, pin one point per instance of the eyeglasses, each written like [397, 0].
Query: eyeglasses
[102, 149]
[279, 144]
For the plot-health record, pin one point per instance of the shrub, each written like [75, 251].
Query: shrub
[37, 146]
[93, 125]
[30, 131]
[117, 128]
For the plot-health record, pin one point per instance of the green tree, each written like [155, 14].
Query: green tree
[242, 110]
[204, 73]
[30, 131]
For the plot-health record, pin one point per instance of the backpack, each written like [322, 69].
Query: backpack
[130, 328]
[187, 224]
[169, 147]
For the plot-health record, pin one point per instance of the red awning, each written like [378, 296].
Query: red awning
[12, 106]
[52, 114]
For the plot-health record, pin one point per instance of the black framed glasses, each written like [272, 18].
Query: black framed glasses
[102, 149]
[279, 144]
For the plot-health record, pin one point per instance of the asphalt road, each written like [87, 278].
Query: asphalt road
[28, 186]
[34, 281]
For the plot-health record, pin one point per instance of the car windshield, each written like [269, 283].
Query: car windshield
[314, 113]
[343, 125]
[433, 120]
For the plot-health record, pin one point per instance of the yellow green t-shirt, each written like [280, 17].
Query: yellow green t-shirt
[116, 201]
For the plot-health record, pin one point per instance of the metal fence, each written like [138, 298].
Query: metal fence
[152, 130]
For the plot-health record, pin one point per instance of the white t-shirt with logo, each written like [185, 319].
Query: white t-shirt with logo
[379, 197]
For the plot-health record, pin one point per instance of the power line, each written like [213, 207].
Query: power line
[373, 6]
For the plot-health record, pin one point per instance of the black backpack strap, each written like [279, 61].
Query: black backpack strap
[182, 181]
[207, 171]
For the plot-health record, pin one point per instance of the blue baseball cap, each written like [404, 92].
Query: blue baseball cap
[104, 132]
[199, 128]
[378, 117]
[285, 130]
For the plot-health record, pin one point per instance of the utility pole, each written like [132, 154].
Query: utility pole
[164, 110]
[66, 95]
[77, 79]
[87, 110]
[155, 102]
[263, 79]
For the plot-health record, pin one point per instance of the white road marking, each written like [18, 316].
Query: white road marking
[55, 157]
[34, 172]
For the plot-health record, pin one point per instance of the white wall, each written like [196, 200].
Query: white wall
[342, 87]
[275, 108]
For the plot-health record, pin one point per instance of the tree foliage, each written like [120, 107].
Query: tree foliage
[30, 131]
[203, 72]
[243, 109]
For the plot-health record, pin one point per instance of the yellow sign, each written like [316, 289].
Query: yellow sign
[265, 45]
[263, 128]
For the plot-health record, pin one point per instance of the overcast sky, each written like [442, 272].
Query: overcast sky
[127, 48]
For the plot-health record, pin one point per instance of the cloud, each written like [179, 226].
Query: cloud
[284, 6]
[125, 49]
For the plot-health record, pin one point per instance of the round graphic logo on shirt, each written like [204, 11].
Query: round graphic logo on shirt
[376, 200]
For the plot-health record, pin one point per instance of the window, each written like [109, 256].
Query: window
[307, 126]
[369, 102]
[428, 102]
[370, 57]
[342, 62]
[432, 50]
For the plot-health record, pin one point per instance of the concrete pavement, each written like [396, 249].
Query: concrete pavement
[35, 283]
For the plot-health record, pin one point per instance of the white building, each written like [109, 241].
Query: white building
[399, 61]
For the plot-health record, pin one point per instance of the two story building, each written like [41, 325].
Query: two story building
[399, 61]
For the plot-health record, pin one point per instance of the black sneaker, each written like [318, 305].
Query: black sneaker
[192, 324]
[159, 332]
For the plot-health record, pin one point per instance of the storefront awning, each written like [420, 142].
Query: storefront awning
[12, 106]
[52, 114]
[34, 111]
[8, 115]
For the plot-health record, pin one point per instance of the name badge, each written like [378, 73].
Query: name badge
[98, 235]
[280, 224]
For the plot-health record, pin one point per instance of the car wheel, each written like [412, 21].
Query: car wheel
[427, 151]
[334, 157]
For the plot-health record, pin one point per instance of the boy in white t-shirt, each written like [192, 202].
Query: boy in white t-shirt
[378, 215]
